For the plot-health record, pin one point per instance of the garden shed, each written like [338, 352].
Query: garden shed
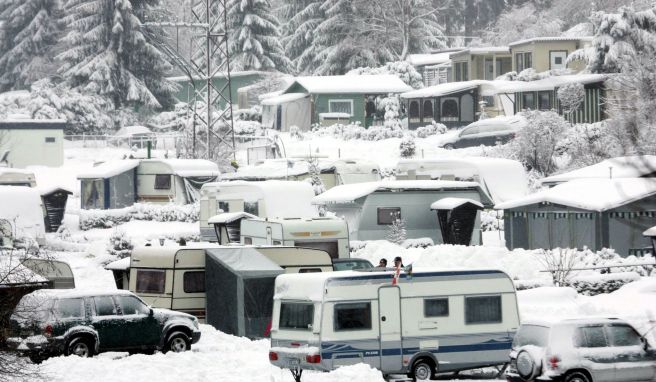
[27, 142]
[371, 208]
[354, 95]
[637, 166]
[456, 217]
[584, 213]
[240, 285]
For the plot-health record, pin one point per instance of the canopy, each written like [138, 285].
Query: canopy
[451, 203]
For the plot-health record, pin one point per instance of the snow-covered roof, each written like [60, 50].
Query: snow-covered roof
[283, 167]
[443, 89]
[119, 265]
[348, 193]
[451, 203]
[352, 84]
[229, 217]
[109, 169]
[549, 83]
[549, 39]
[502, 179]
[22, 205]
[620, 167]
[650, 232]
[590, 194]
[283, 98]
[127, 131]
[14, 273]
[483, 50]
[188, 167]
[217, 75]
[281, 198]
[428, 59]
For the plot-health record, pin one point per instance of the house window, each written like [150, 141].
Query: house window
[151, 281]
[461, 71]
[504, 65]
[544, 101]
[483, 310]
[523, 60]
[528, 101]
[558, 59]
[449, 110]
[353, 316]
[193, 282]
[436, 307]
[294, 315]
[413, 113]
[251, 208]
[341, 106]
[387, 215]
[50, 139]
[428, 111]
[223, 207]
[162, 182]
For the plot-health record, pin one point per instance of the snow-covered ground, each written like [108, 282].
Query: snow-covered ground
[225, 357]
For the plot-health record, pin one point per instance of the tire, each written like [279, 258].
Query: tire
[422, 370]
[577, 376]
[80, 346]
[448, 146]
[527, 367]
[177, 342]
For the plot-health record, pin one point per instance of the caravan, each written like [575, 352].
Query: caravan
[429, 322]
[328, 234]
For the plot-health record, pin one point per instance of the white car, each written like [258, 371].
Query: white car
[581, 350]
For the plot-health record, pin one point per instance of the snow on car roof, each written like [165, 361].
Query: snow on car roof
[590, 194]
[278, 99]
[109, 169]
[79, 292]
[345, 84]
[620, 167]
[451, 203]
[348, 193]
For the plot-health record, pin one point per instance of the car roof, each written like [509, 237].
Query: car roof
[351, 259]
[574, 321]
[78, 293]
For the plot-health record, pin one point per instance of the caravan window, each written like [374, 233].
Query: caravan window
[436, 307]
[251, 208]
[248, 240]
[355, 316]
[151, 281]
[309, 270]
[193, 282]
[483, 310]
[162, 182]
[294, 315]
[387, 215]
[223, 206]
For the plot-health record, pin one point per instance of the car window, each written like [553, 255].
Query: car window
[623, 335]
[104, 306]
[70, 308]
[531, 335]
[469, 131]
[130, 305]
[590, 337]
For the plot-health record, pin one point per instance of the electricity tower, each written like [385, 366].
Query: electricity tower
[206, 32]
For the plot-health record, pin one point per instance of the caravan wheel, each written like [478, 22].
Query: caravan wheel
[423, 370]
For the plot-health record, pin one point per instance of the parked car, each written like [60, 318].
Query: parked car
[487, 132]
[582, 350]
[351, 264]
[52, 322]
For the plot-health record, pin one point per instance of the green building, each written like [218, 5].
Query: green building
[238, 80]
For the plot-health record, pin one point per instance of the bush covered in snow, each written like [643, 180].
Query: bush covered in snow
[252, 114]
[491, 220]
[397, 233]
[408, 147]
[356, 131]
[120, 245]
[605, 283]
[248, 128]
[571, 96]
[536, 144]
[296, 133]
[423, 242]
[429, 130]
[140, 211]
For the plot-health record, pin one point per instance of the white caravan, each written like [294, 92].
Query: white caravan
[328, 234]
[273, 198]
[173, 277]
[431, 321]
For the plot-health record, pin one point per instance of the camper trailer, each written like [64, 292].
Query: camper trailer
[119, 184]
[174, 277]
[21, 209]
[273, 198]
[429, 321]
[328, 234]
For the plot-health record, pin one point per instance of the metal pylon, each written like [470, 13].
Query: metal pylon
[211, 105]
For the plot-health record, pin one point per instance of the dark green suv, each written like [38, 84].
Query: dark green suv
[52, 322]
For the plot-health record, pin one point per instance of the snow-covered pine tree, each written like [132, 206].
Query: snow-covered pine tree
[29, 30]
[303, 17]
[397, 232]
[109, 54]
[254, 40]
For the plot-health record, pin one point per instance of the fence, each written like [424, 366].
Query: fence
[169, 141]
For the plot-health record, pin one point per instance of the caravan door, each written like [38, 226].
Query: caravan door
[389, 322]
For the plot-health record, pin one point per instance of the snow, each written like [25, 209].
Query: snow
[428, 59]
[283, 98]
[590, 194]
[22, 206]
[188, 167]
[483, 50]
[128, 131]
[282, 168]
[650, 232]
[549, 83]
[334, 115]
[551, 39]
[242, 73]
[119, 265]
[348, 193]
[229, 217]
[451, 203]
[619, 167]
[14, 273]
[443, 89]
[109, 169]
[361, 84]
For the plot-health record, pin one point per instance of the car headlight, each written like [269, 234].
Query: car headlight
[195, 322]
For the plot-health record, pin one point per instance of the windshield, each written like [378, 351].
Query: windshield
[531, 335]
[350, 265]
[296, 315]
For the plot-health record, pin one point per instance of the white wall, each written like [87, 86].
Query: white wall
[29, 147]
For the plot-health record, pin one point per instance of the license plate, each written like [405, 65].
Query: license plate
[293, 362]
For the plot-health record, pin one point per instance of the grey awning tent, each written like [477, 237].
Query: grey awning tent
[239, 285]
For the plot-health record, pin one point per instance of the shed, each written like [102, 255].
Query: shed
[370, 208]
[584, 213]
[26, 142]
[351, 94]
[637, 166]
[240, 287]
[456, 217]
[284, 111]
